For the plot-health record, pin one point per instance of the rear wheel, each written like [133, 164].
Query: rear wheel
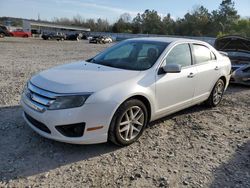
[128, 123]
[216, 94]
[2, 35]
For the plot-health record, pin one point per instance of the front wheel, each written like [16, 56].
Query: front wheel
[128, 123]
[216, 94]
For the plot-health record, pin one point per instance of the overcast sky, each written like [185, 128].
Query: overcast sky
[107, 9]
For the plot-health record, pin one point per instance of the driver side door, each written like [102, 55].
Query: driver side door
[174, 91]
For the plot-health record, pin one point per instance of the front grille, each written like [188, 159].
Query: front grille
[39, 96]
[37, 124]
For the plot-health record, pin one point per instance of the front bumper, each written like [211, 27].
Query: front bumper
[92, 115]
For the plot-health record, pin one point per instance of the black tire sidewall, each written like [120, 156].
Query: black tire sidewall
[114, 128]
[211, 97]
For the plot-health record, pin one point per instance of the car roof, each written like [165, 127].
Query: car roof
[165, 39]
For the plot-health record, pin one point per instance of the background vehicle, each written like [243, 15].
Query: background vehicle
[20, 33]
[241, 75]
[4, 31]
[114, 95]
[238, 50]
[100, 39]
[95, 39]
[54, 36]
[107, 39]
[76, 36]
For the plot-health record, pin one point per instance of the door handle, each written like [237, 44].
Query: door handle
[216, 68]
[191, 75]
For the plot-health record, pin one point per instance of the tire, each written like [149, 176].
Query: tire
[2, 35]
[128, 123]
[216, 94]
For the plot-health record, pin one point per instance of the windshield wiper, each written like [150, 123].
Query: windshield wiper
[102, 63]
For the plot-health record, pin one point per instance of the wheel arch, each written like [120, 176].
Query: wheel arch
[139, 97]
[226, 82]
[223, 78]
[144, 100]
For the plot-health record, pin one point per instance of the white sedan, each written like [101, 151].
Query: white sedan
[114, 95]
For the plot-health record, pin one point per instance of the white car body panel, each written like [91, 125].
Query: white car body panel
[180, 85]
[110, 87]
[75, 76]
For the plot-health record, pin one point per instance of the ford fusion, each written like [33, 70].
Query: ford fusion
[114, 95]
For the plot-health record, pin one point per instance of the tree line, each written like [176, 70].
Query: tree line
[199, 22]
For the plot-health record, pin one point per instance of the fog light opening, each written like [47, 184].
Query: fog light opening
[73, 130]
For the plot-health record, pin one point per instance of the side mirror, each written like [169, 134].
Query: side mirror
[172, 68]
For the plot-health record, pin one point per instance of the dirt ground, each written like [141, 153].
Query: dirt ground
[197, 147]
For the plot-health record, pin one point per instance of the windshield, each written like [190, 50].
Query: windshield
[131, 55]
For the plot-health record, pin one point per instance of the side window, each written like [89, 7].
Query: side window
[202, 53]
[181, 55]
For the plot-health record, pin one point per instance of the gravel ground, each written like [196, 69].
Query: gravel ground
[197, 147]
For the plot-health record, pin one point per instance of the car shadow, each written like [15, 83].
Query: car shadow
[236, 172]
[24, 153]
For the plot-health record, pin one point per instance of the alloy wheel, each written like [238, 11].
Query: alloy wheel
[218, 92]
[131, 123]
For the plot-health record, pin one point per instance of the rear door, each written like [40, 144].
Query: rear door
[207, 71]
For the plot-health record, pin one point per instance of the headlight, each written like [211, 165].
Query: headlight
[68, 102]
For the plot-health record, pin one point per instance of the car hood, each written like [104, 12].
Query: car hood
[81, 77]
[237, 47]
[232, 43]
